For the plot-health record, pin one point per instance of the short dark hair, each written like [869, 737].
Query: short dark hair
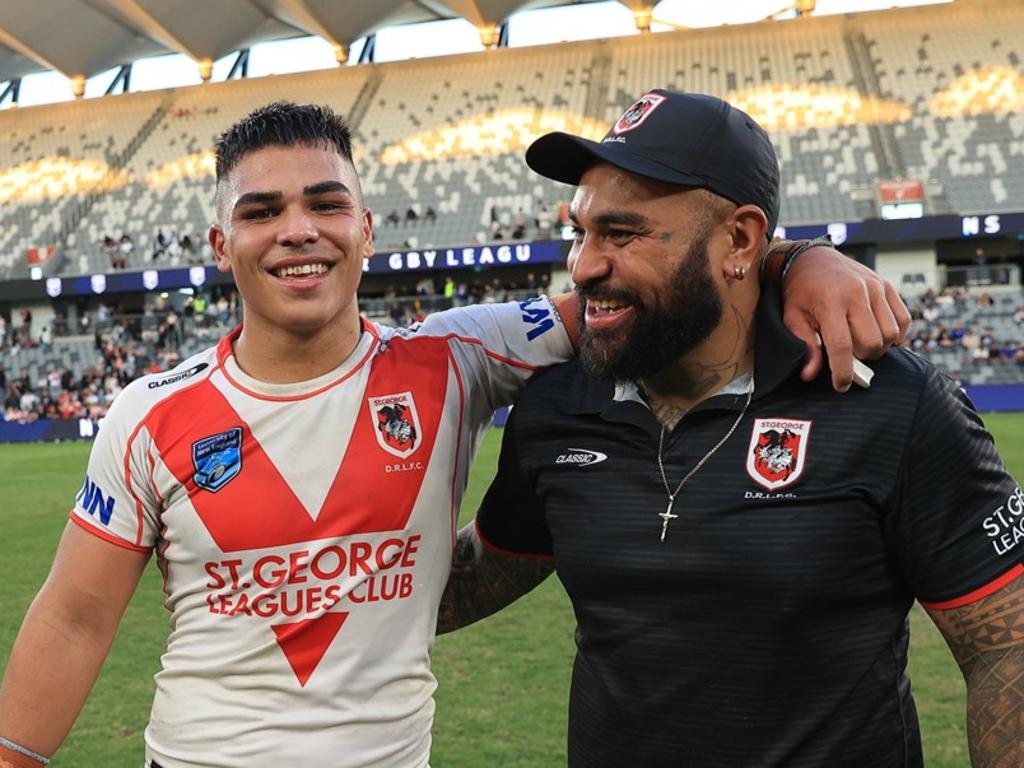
[282, 123]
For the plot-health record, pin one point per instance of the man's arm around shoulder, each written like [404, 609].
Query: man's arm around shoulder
[63, 642]
[987, 639]
[484, 580]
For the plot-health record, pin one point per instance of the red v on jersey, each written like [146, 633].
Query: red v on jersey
[257, 509]
[305, 642]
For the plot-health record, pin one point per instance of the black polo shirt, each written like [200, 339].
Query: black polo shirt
[770, 627]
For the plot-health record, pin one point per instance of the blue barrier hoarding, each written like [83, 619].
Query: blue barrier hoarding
[986, 398]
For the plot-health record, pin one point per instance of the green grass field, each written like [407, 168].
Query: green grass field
[503, 683]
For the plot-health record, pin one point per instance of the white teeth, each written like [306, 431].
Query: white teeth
[605, 306]
[302, 269]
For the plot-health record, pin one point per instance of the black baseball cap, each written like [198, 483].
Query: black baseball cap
[689, 139]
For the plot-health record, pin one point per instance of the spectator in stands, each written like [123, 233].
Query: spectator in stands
[430, 215]
[1009, 351]
[109, 247]
[1018, 316]
[223, 309]
[199, 309]
[411, 217]
[125, 249]
[26, 323]
[393, 218]
[187, 248]
[543, 221]
[3, 332]
[28, 402]
[159, 244]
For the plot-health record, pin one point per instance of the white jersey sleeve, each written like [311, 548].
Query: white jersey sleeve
[498, 347]
[117, 501]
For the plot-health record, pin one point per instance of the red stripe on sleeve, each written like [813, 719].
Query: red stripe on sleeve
[107, 536]
[985, 591]
[508, 552]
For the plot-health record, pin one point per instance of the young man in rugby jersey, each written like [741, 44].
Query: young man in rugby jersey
[299, 485]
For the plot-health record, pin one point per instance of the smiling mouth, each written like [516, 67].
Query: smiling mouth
[606, 306]
[605, 314]
[302, 270]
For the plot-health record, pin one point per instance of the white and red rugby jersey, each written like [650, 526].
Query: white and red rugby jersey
[305, 534]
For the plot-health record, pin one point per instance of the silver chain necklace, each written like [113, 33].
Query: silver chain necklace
[667, 515]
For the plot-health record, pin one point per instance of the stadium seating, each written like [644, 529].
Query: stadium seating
[439, 141]
[974, 336]
[959, 68]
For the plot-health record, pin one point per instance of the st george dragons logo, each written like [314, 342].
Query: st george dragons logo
[778, 448]
[397, 423]
[638, 112]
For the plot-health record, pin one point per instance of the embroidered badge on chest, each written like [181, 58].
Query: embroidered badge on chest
[778, 449]
[217, 459]
[398, 424]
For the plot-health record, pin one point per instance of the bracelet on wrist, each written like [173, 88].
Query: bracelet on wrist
[806, 245]
[14, 747]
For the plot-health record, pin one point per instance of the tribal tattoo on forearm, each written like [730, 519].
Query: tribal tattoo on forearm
[482, 582]
[987, 639]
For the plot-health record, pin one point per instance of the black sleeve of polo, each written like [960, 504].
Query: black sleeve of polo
[959, 528]
[511, 518]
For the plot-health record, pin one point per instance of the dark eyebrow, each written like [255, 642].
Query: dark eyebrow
[325, 187]
[320, 188]
[250, 198]
[616, 219]
[621, 219]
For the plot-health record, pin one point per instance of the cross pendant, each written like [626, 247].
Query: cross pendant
[666, 516]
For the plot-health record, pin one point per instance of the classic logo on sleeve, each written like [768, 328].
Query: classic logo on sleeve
[398, 424]
[217, 459]
[777, 451]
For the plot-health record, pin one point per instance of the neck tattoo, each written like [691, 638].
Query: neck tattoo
[667, 516]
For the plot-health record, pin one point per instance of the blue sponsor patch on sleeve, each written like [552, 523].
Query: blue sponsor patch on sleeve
[95, 502]
[536, 314]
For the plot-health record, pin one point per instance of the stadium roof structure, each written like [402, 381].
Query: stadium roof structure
[81, 38]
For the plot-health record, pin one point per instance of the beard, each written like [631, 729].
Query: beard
[657, 336]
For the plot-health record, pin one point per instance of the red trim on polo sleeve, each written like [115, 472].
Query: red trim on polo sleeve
[508, 552]
[978, 594]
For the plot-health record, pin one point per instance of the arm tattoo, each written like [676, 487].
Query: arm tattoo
[483, 582]
[987, 639]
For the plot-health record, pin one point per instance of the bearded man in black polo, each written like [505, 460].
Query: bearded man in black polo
[741, 548]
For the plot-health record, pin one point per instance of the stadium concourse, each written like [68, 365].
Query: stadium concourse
[106, 201]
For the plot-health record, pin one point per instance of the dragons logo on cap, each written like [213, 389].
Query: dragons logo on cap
[638, 112]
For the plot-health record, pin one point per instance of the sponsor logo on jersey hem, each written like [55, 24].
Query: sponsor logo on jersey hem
[398, 423]
[178, 376]
[777, 451]
[581, 457]
[217, 459]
